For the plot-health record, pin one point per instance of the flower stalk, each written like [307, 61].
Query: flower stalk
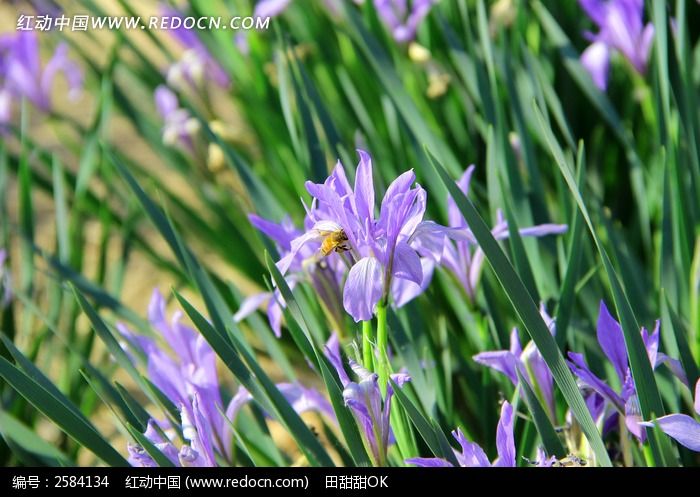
[367, 356]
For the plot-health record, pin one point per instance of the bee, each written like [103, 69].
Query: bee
[334, 241]
[570, 461]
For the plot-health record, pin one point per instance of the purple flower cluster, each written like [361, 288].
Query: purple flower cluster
[620, 29]
[179, 127]
[23, 77]
[463, 257]
[384, 258]
[612, 342]
[197, 65]
[185, 372]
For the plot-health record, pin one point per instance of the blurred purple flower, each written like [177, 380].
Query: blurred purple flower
[403, 19]
[22, 76]
[196, 63]
[5, 280]
[387, 252]
[620, 29]
[611, 340]
[364, 398]
[681, 427]
[464, 258]
[472, 455]
[528, 361]
[179, 127]
[186, 374]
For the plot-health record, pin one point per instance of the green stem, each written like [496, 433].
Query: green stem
[368, 363]
[402, 430]
[383, 366]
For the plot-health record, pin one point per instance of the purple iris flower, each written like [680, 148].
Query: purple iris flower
[464, 258]
[5, 281]
[326, 276]
[364, 398]
[401, 18]
[196, 63]
[621, 29]
[528, 361]
[179, 127]
[187, 375]
[390, 255]
[681, 427]
[187, 371]
[611, 340]
[472, 455]
[22, 75]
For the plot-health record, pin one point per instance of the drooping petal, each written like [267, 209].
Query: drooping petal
[612, 341]
[505, 443]
[596, 60]
[407, 264]
[502, 361]
[674, 365]
[363, 288]
[403, 291]
[682, 428]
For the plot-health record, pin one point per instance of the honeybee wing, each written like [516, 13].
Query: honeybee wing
[326, 227]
